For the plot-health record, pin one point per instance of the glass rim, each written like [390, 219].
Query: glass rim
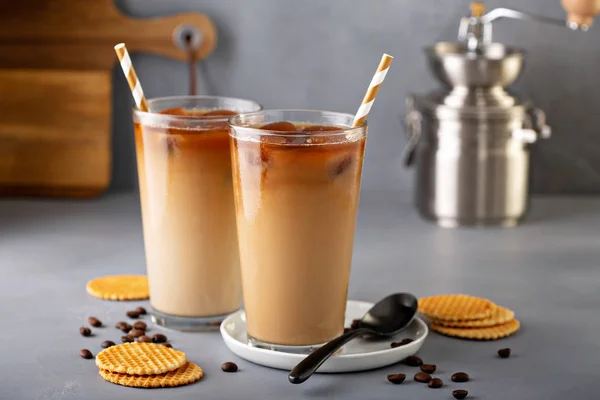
[344, 131]
[190, 118]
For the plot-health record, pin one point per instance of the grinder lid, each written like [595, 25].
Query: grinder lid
[473, 104]
[473, 82]
[454, 65]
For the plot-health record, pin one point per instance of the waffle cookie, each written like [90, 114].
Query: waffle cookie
[500, 315]
[455, 307]
[487, 333]
[119, 287]
[140, 359]
[186, 374]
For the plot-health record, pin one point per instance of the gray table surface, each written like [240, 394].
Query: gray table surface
[547, 270]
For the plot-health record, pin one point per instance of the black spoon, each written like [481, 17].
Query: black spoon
[386, 318]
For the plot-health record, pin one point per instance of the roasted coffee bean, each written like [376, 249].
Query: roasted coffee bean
[355, 324]
[144, 339]
[429, 368]
[127, 339]
[413, 361]
[460, 394]
[229, 367]
[159, 338]
[461, 377]
[123, 326]
[422, 377]
[95, 322]
[396, 379]
[405, 341]
[167, 345]
[107, 343]
[141, 310]
[135, 333]
[435, 383]
[133, 314]
[85, 353]
[504, 353]
[85, 331]
[141, 325]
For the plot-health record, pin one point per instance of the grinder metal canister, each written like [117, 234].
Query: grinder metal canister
[470, 139]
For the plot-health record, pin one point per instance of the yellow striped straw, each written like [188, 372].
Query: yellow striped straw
[132, 79]
[369, 99]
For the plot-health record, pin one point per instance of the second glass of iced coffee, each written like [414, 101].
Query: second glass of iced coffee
[186, 192]
[296, 176]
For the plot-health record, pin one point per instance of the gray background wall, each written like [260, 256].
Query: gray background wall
[322, 53]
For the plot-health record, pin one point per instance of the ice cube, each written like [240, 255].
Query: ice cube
[321, 128]
[280, 126]
[174, 111]
[260, 158]
[218, 113]
[342, 165]
[170, 143]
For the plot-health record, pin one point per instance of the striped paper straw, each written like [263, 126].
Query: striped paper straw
[369, 99]
[132, 79]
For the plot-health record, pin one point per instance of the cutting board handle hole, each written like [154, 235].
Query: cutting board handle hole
[186, 36]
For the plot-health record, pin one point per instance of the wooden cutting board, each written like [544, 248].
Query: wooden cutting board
[56, 60]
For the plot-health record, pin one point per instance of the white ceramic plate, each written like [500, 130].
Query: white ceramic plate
[358, 355]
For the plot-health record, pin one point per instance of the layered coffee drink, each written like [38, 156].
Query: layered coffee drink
[296, 182]
[186, 192]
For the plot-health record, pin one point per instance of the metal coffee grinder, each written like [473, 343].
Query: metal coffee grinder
[470, 139]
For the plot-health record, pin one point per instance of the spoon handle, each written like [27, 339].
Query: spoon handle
[314, 360]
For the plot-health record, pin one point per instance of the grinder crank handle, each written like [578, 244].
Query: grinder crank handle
[581, 12]
[476, 29]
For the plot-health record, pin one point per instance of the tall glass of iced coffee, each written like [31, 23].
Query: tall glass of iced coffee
[186, 192]
[296, 177]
